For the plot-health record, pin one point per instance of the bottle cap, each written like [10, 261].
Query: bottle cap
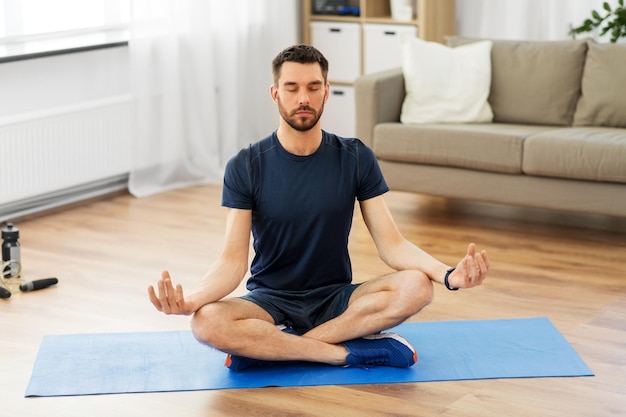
[10, 232]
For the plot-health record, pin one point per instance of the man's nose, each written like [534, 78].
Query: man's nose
[303, 98]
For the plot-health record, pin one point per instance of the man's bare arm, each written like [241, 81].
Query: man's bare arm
[221, 278]
[400, 254]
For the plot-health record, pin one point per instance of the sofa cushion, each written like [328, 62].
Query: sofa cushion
[535, 82]
[482, 146]
[585, 153]
[446, 85]
[603, 100]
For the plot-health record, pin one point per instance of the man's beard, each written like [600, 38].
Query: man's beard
[300, 124]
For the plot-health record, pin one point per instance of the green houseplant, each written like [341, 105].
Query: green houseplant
[614, 21]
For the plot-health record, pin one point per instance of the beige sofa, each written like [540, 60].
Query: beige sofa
[557, 140]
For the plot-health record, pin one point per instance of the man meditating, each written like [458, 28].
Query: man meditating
[295, 191]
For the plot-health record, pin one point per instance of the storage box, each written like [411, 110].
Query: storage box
[382, 46]
[339, 112]
[341, 45]
[401, 10]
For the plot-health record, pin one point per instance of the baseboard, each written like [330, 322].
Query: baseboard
[29, 207]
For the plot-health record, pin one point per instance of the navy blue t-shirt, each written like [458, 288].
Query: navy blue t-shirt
[302, 208]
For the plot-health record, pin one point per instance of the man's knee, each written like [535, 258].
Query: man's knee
[207, 325]
[216, 324]
[415, 292]
[201, 323]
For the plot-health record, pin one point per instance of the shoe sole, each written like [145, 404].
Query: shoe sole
[396, 337]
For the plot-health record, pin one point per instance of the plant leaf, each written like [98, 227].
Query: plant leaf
[614, 22]
[615, 34]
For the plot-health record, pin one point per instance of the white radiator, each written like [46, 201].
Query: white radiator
[63, 149]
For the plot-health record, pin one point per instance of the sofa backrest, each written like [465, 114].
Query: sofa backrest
[603, 99]
[534, 82]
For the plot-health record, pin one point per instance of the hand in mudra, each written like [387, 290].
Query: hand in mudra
[169, 300]
[471, 270]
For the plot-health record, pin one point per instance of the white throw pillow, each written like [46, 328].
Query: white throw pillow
[446, 85]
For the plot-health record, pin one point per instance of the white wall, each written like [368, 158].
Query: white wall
[43, 84]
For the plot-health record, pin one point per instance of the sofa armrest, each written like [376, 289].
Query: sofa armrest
[378, 99]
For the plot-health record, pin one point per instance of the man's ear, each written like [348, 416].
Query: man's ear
[326, 92]
[274, 93]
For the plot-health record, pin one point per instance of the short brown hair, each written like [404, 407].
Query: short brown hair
[302, 54]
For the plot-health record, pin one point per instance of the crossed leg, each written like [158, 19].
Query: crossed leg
[242, 328]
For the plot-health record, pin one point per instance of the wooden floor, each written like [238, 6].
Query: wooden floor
[570, 268]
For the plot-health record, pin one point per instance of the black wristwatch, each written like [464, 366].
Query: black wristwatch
[445, 280]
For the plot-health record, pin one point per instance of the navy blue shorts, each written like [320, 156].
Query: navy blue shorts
[303, 310]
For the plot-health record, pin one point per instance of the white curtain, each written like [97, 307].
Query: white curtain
[200, 76]
[525, 19]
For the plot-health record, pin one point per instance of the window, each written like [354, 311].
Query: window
[30, 27]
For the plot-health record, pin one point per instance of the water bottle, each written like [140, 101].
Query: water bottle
[11, 250]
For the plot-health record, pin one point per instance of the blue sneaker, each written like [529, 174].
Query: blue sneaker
[382, 349]
[239, 363]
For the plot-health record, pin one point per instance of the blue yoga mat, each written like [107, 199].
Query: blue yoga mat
[111, 363]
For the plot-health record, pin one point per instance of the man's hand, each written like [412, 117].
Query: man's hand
[471, 271]
[170, 300]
